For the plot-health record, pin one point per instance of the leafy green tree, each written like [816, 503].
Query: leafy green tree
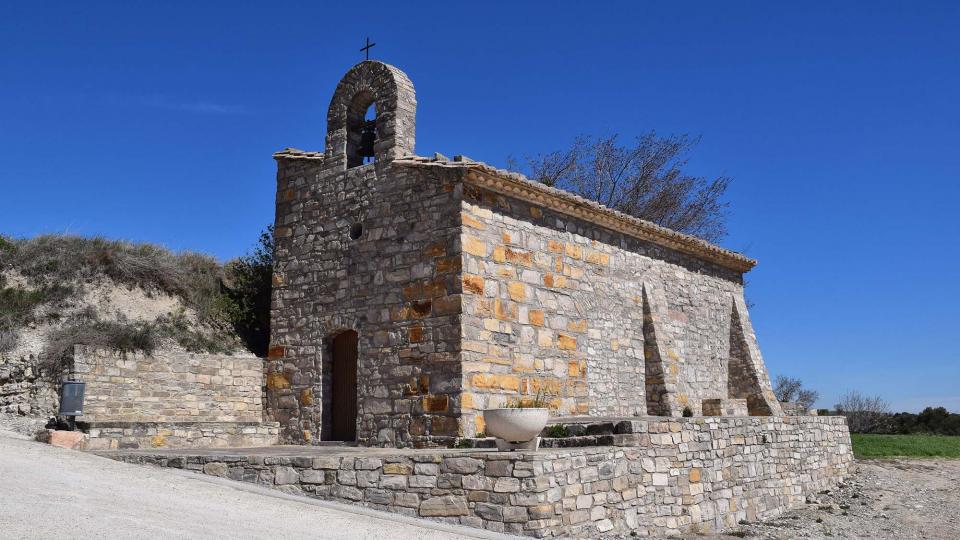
[247, 286]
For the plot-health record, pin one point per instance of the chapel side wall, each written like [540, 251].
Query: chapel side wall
[555, 302]
[397, 286]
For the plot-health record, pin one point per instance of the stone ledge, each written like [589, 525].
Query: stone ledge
[134, 435]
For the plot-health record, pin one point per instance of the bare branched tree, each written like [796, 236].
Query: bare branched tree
[791, 390]
[645, 179]
[864, 414]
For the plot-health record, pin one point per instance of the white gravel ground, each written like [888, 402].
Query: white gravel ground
[48, 492]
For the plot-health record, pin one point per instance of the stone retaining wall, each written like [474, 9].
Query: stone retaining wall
[169, 386]
[682, 475]
[24, 389]
[117, 435]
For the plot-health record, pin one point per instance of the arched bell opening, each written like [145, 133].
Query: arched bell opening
[361, 130]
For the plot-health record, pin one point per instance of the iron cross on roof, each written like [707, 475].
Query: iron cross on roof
[367, 48]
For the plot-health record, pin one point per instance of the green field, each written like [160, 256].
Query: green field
[875, 446]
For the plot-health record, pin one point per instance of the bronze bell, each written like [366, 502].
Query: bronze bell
[368, 136]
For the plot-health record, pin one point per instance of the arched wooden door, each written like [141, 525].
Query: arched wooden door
[343, 401]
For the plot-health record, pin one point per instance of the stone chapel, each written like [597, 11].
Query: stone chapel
[410, 293]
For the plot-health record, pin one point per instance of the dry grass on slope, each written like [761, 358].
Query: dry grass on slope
[76, 290]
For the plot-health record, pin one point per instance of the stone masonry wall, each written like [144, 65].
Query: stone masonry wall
[24, 389]
[169, 386]
[373, 249]
[608, 324]
[127, 435]
[678, 475]
[397, 285]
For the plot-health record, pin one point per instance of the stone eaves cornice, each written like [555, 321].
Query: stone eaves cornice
[294, 153]
[519, 186]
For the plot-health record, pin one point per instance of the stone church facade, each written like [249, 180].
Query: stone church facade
[410, 293]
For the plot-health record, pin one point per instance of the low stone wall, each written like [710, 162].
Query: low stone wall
[117, 435]
[680, 475]
[169, 386]
[24, 389]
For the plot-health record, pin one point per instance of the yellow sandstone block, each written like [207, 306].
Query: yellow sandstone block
[566, 343]
[554, 247]
[694, 475]
[276, 381]
[517, 291]
[495, 382]
[577, 326]
[505, 311]
[499, 255]
[573, 271]
[536, 317]
[469, 221]
[474, 246]
[555, 281]
[595, 257]
[472, 284]
[574, 251]
[522, 258]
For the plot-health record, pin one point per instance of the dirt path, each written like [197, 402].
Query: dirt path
[48, 492]
[885, 499]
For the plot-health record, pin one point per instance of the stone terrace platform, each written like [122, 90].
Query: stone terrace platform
[672, 475]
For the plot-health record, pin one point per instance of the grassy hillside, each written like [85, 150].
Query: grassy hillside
[59, 290]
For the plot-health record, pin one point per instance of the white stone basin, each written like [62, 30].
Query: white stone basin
[515, 425]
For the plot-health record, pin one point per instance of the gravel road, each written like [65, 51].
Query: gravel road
[48, 492]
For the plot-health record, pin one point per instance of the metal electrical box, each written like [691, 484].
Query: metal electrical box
[71, 398]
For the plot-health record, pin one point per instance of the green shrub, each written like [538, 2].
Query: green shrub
[215, 338]
[119, 335]
[247, 293]
[557, 431]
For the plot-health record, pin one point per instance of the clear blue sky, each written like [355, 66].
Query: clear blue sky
[838, 122]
